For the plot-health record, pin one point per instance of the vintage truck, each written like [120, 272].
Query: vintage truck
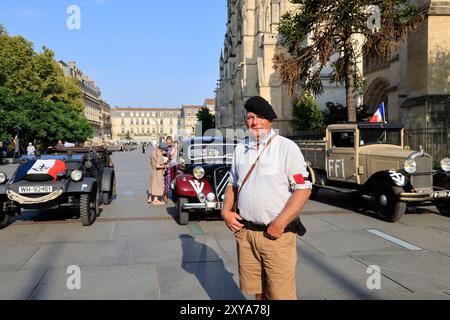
[370, 160]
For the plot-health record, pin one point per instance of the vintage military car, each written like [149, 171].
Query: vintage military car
[72, 177]
[369, 159]
[204, 165]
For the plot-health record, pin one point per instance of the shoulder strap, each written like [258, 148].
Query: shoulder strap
[254, 164]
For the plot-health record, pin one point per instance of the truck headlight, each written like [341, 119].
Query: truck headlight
[3, 177]
[410, 166]
[445, 164]
[76, 175]
[198, 172]
[201, 197]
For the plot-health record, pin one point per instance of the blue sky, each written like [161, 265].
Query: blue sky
[141, 53]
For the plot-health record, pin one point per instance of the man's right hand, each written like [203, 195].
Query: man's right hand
[232, 219]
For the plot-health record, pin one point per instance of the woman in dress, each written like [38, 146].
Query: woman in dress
[158, 166]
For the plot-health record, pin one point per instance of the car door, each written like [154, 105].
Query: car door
[341, 156]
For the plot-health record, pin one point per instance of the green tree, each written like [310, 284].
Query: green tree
[336, 112]
[40, 121]
[23, 70]
[128, 136]
[306, 114]
[321, 30]
[207, 120]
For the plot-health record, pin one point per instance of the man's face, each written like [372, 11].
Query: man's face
[257, 125]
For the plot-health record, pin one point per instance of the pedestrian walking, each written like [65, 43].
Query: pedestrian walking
[31, 150]
[267, 191]
[143, 147]
[158, 166]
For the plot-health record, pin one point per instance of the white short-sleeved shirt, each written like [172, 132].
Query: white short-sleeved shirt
[280, 170]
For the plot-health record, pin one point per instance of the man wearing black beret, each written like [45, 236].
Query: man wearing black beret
[267, 191]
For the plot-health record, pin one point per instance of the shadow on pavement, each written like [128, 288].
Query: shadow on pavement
[209, 269]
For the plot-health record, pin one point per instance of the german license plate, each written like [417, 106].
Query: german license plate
[36, 189]
[440, 194]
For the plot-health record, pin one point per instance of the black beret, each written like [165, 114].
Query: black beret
[258, 105]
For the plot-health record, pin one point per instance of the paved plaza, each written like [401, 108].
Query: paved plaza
[138, 251]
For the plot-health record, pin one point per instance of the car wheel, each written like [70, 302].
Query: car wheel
[183, 216]
[88, 208]
[385, 199]
[444, 208]
[4, 218]
[108, 196]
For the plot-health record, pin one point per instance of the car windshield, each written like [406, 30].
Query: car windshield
[210, 152]
[380, 136]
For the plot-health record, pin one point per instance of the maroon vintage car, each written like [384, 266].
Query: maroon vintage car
[203, 174]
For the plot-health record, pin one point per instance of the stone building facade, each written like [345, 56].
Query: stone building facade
[154, 124]
[95, 110]
[414, 81]
[246, 66]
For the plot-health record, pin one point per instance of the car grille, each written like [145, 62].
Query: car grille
[423, 177]
[38, 177]
[221, 176]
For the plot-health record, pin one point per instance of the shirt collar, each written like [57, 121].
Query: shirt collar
[251, 144]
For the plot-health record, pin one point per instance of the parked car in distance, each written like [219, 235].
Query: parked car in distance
[204, 165]
[73, 177]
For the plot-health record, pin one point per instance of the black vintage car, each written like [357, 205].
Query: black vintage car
[204, 165]
[441, 187]
[71, 177]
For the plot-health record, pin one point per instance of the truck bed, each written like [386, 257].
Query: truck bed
[313, 151]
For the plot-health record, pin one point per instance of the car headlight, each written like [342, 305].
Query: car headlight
[410, 166]
[198, 172]
[211, 196]
[445, 164]
[2, 177]
[88, 164]
[201, 197]
[76, 175]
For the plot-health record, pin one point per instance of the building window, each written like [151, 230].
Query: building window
[142, 130]
[160, 130]
[132, 130]
[161, 122]
[148, 130]
[148, 121]
[171, 131]
[188, 114]
[123, 121]
[154, 130]
[142, 121]
[123, 131]
[131, 121]
[171, 122]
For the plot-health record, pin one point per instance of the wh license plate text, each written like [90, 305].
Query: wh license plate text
[440, 194]
[36, 189]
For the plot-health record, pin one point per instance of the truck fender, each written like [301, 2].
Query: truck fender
[394, 178]
[87, 185]
[312, 174]
[107, 179]
[184, 188]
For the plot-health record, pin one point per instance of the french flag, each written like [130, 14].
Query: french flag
[48, 167]
[378, 116]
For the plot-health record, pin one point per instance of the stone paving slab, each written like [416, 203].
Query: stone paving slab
[95, 253]
[19, 285]
[353, 221]
[429, 238]
[150, 229]
[420, 271]
[18, 233]
[72, 232]
[315, 224]
[200, 281]
[101, 283]
[324, 278]
[184, 248]
[338, 243]
[426, 220]
[14, 256]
